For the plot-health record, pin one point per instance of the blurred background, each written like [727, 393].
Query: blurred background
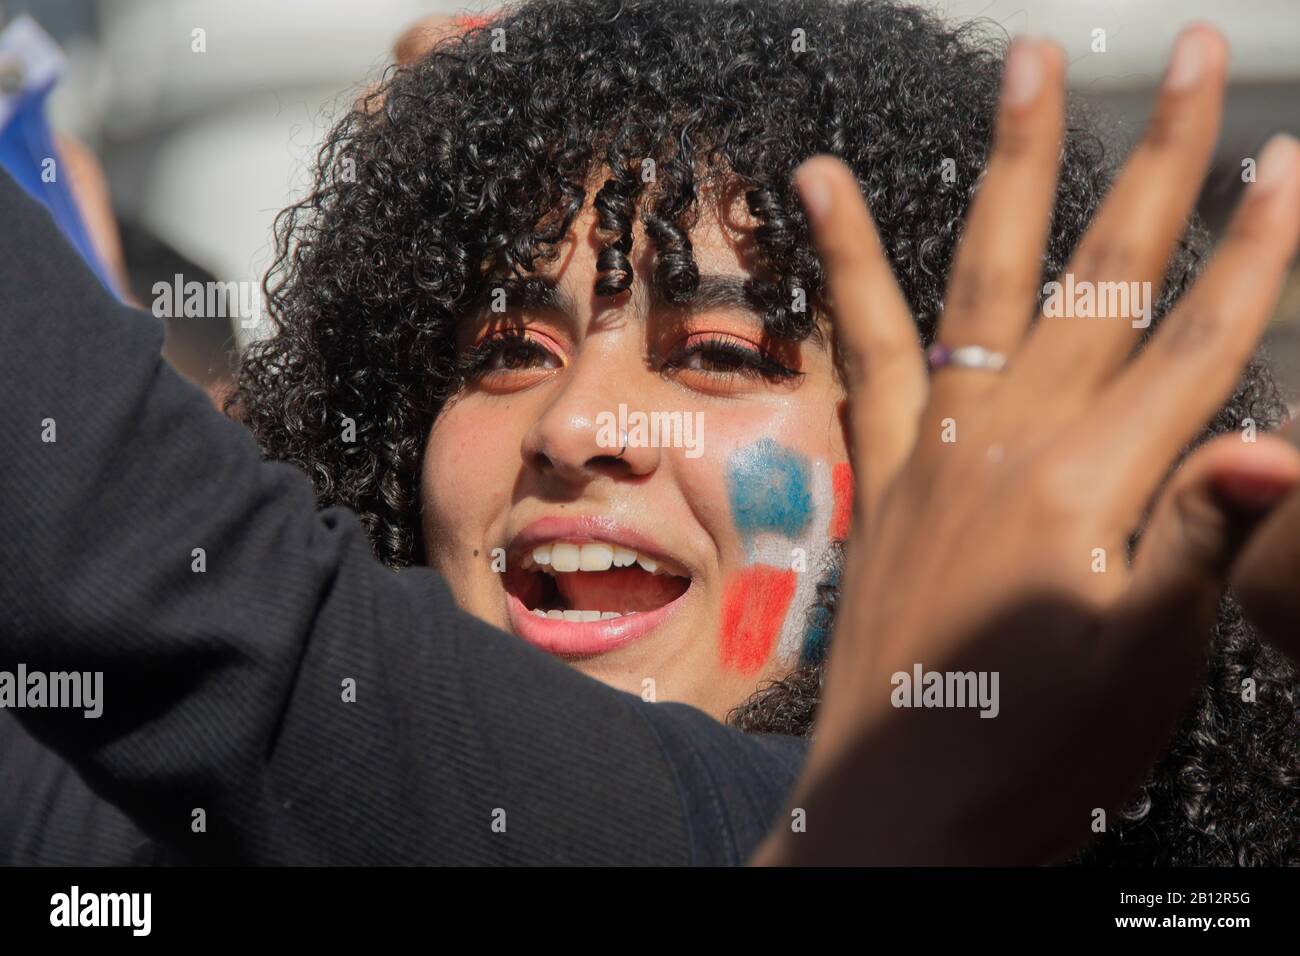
[199, 151]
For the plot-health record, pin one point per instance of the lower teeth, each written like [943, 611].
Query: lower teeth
[583, 617]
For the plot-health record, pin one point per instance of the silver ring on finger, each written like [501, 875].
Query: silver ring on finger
[965, 356]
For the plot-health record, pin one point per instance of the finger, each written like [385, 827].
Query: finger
[1201, 524]
[1266, 577]
[1216, 497]
[1122, 259]
[875, 337]
[1162, 400]
[993, 292]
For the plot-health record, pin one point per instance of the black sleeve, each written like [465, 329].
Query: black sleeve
[50, 817]
[224, 689]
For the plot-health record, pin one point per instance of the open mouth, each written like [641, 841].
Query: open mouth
[592, 581]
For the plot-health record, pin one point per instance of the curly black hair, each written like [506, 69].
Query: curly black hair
[464, 170]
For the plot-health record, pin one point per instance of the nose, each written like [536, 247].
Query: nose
[582, 433]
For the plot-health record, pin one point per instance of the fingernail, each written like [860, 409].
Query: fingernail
[1188, 65]
[814, 188]
[1022, 78]
[1276, 162]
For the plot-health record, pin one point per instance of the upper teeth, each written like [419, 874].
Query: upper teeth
[564, 557]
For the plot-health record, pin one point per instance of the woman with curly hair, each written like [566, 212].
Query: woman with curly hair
[556, 323]
[483, 165]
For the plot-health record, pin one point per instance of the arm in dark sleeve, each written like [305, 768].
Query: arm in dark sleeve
[49, 816]
[226, 691]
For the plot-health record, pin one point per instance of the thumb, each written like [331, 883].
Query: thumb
[1200, 525]
[1152, 651]
[1208, 510]
[1266, 577]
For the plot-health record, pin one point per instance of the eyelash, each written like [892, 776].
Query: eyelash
[475, 363]
[745, 360]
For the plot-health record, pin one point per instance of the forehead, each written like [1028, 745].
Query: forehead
[722, 244]
[720, 228]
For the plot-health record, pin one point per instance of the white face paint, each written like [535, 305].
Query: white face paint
[808, 554]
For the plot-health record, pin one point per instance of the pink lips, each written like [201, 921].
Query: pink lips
[573, 638]
[576, 639]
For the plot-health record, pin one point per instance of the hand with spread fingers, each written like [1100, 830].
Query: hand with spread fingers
[999, 488]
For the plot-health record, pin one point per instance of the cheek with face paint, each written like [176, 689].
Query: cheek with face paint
[754, 609]
[842, 490]
[787, 510]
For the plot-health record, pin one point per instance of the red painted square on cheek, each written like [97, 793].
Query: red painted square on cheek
[842, 488]
[753, 610]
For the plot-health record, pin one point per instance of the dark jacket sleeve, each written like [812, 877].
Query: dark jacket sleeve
[225, 690]
[50, 817]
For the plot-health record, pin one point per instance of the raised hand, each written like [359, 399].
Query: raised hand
[997, 496]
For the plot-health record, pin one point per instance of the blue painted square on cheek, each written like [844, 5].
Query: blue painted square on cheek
[768, 485]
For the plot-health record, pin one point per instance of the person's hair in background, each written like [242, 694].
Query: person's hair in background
[474, 160]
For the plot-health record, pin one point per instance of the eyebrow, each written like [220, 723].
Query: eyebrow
[540, 293]
[714, 290]
[544, 293]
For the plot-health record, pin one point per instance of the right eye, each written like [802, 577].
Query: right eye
[507, 352]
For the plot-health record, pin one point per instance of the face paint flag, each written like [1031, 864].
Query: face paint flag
[787, 510]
